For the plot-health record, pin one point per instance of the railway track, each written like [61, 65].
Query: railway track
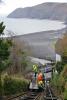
[31, 96]
[16, 96]
[49, 94]
[27, 96]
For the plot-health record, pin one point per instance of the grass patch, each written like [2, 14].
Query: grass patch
[14, 85]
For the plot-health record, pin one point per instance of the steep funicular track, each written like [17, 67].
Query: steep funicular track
[27, 96]
[49, 93]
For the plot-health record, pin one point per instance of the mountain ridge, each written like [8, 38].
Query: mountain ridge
[54, 11]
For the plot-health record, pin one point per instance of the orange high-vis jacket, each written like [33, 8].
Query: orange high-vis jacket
[40, 77]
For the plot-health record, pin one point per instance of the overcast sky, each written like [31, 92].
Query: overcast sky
[9, 5]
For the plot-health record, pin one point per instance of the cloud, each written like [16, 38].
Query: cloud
[0, 1]
[10, 5]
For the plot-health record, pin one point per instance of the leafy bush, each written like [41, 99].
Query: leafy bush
[61, 82]
[65, 95]
[62, 79]
[64, 59]
[64, 72]
[13, 86]
[54, 81]
[65, 92]
[59, 67]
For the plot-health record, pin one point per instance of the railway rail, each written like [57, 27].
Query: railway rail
[27, 96]
[49, 93]
[15, 96]
[31, 96]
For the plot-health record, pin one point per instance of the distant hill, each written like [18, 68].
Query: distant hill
[42, 43]
[56, 11]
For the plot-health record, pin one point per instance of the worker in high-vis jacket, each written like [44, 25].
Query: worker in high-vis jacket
[40, 79]
[40, 76]
[35, 69]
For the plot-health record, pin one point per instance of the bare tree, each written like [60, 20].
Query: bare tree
[19, 61]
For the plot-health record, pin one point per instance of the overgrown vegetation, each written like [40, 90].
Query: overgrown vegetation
[14, 85]
[19, 57]
[13, 60]
[5, 45]
[60, 81]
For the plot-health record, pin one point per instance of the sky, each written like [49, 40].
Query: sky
[7, 6]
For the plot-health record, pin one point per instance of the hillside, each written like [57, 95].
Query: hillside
[41, 43]
[56, 11]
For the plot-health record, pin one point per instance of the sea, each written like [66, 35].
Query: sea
[21, 26]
